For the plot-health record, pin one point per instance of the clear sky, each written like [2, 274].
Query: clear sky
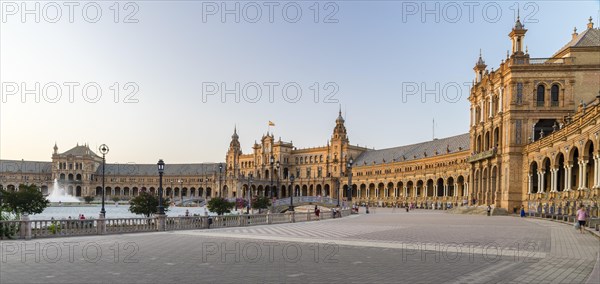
[166, 59]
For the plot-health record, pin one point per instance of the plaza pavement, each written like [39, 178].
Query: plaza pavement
[389, 246]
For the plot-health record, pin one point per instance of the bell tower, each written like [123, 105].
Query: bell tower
[339, 145]
[233, 154]
[517, 36]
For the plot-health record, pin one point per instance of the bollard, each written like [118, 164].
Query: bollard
[161, 222]
[25, 227]
[101, 225]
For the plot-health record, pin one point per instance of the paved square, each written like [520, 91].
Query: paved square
[385, 247]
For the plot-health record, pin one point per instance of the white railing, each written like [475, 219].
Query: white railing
[29, 229]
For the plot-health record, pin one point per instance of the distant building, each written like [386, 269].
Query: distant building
[533, 141]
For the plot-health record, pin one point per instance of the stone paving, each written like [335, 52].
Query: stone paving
[386, 247]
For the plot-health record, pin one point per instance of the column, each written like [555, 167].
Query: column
[529, 183]
[445, 190]
[553, 180]
[481, 111]
[539, 182]
[500, 100]
[568, 169]
[583, 170]
[405, 191]
[491, 105]
[466, 193]
[542, 180]
[596, 171]
[472, 116]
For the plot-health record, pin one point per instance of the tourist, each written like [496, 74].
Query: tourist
[581, 217]
[489, 210]
[82, 217]
[69, 218]
[522, 211]
[333, 212]
[187, 213]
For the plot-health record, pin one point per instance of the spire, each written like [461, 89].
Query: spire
[590, 25]
[518, 24]
[574, 34]
[339, 119]
[480, 61]
[55, 148]
[235, 135]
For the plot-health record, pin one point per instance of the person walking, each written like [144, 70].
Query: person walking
[522, 211]
[581, 217]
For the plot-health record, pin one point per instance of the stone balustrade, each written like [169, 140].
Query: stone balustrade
[28, 229]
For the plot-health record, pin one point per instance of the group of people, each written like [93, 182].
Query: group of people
[581, 215]
[336, 212]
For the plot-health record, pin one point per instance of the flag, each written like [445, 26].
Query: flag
[271, 123]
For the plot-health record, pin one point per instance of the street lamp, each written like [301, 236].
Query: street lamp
[220, 171]
[291, 209]
[249, 193]
[161, 170]
[180, 181]
[337, 192]
[277, 165]
[103, 150]
[272, 160]
[349, 166]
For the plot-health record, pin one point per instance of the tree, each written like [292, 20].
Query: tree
[146, 204]
[261, 202]
[116, 199]
[88, 199]
[220, 205]
[27, 200]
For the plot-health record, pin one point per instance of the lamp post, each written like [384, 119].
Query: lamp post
[103, 150]
[272, 160]
[161, 170]
[180, 181]
[220, 171]
[249, 193]
[337, 192]
[349, 166]
[291, 209]
[277, 165]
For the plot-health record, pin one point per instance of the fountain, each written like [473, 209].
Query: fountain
[58, 194]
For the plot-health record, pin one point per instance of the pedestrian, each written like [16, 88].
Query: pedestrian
[367, 207]
[581, 217]
[333, 212]
[187, 213]
[82, 217]
[489, 210]
[522, 211]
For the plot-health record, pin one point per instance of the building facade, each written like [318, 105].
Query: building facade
[533, 141]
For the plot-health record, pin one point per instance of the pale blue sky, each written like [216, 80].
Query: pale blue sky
[368, 54]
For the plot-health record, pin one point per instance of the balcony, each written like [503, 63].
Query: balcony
[482, 155]
[541, 61]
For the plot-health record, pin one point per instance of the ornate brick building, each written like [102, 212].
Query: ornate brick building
[533, 140]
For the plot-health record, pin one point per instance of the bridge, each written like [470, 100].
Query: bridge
[282, 205]
[279, 205]
[194, 201]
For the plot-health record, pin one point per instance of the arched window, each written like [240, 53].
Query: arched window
[554, 95]
[541, 93]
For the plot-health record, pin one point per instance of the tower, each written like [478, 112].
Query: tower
[233, 154]
[339, 145]
[517, 36]
[479, 69]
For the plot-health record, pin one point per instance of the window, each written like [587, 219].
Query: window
[554, 95]
[541, 93]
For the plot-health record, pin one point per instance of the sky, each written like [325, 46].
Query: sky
[171, 79]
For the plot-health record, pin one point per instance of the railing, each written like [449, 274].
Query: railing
[28, 229]
[541, 61]
[482, 155]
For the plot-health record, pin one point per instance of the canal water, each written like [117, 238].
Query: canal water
[112, 211]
